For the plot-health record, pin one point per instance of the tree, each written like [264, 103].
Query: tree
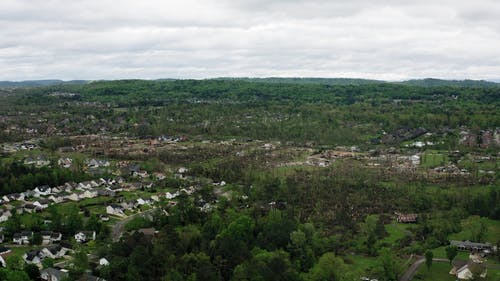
[328, 268]
[32, 271]
[37, 239]
[389, 267]
[428, 259]
[451, 252]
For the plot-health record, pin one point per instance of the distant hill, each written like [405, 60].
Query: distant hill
[296, 80]
[431, 82]
[428, 82]
[37, 83]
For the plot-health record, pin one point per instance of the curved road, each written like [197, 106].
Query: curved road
[415, 266]
[119, 227]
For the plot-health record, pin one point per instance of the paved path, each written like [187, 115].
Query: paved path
[119, 227]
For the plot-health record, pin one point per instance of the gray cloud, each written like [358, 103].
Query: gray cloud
[385, 39]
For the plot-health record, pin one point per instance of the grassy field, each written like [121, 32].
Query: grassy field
[440, 272]
[492, 235]
[432, 158]
[396, 231]
[360, 265]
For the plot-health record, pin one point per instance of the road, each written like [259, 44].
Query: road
[415, 266]
[119, 228]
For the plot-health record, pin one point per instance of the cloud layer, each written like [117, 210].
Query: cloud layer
[384, 39]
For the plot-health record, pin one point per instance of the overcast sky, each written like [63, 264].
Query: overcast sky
[378, 39]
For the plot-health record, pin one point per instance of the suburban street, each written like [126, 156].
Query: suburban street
[119, 227]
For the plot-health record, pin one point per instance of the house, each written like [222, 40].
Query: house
[42, 203]
[472, 246]
[52, 274]
[406, 218]
[103, 262]
[46, 237]
[84, 185]
[39, 161]
[106, 192]
[49, 237]
[56, 237]
[2, 237]
[65, 162]
[104, 217]
[57, 189]
[128, 205]
[84, 236]
[73, 197]
[88, 194]
[54, 252]
[95, 163]
[22, 238]
[115, 210]
[464, 270]
[140, 174]
[5, 215]
[43, 190]
[28, 194]
[159, 176]
[142, 201]
[4, 250]
[13, 197]
[31, 208]
[56, 198]
[33, 257]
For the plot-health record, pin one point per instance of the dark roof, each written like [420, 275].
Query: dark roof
[55, 272]
[46, 233]
[32, 254]
[54, 249]
[66, 245]
[469, 244]
[4, 250]
[43, 188]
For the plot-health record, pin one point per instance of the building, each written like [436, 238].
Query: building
[84, 236]
[472, 246]
[406, 218]
[52, 274]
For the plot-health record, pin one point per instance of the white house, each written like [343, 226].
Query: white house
[22, 238]
[33, 257]
[116, 210]
[65, 162]
[73, 197]
[84, 236]
[103, 262]
[5, 215]
[53, 252]
[43, 190]
[88, 194]
[42, 203]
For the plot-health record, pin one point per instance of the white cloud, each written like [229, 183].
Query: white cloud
[386, 39]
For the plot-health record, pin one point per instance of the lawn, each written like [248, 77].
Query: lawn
[360, 265]
[396, 231]
[492, 235]
[439, 272]
[432, 158]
